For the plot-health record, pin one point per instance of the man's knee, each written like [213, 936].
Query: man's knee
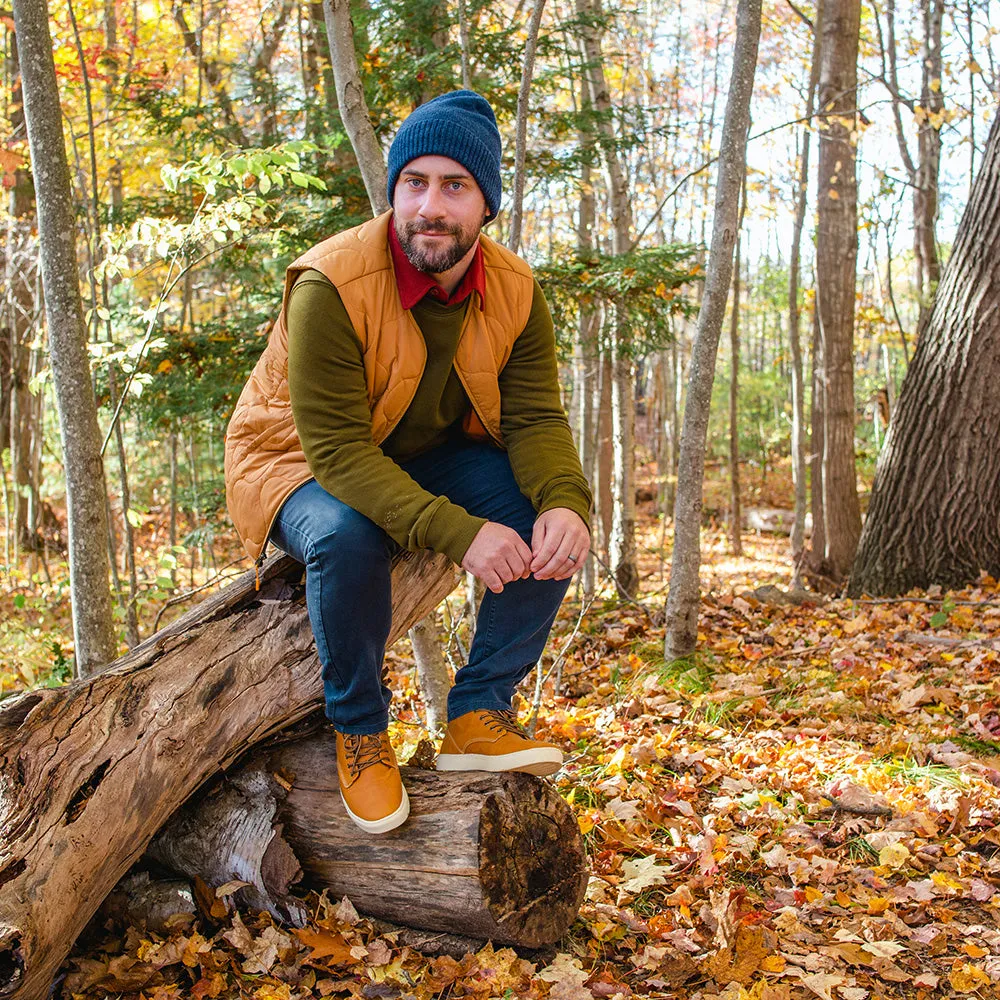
[352, 539]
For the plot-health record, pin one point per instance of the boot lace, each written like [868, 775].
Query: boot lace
[365, 750]
[505, 722]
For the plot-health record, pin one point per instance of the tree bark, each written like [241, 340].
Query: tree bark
[488, 856]
[621, 546]
[836, 260]
[736, 517]
[798, 533]
[935, 509]
[351, 101]
[134, 742]
[93, 626]
[521, 133]
[432, 670]
[683, 597]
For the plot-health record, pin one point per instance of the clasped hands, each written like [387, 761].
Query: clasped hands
[560, 542]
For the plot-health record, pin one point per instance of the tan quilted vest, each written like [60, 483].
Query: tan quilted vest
[264, 459]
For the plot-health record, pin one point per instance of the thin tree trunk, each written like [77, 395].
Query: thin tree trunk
[93, 627]
[463, 39]
[798, 532]
[817, 423]
[432, 671]
[521, 134]
[351, 101]
[621, 547]
[836, 259]
[683, 598]
[734, 389]
[935, 509]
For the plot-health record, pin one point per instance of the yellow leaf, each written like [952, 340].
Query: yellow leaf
[935, 85]
[773, 963]
[832, 195]
[164, 366]
[967, 978]
[974, 951]
[894, 855]
[812, 894]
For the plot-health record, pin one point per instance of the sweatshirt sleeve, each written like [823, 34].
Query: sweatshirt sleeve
[535, 429]
[326, 383]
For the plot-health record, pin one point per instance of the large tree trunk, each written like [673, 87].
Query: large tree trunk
[683, 598]
[487, 856]
[836, 259]
[93, 626]
[935, 510]
[91, 771]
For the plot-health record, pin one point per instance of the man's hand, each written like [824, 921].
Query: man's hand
[559, 544]
[497, 555]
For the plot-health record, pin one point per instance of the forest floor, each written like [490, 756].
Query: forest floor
[806, 808]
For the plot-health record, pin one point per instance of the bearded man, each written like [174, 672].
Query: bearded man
[408, 398]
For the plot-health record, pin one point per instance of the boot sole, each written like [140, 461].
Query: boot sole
[538, 762]
[386, 823]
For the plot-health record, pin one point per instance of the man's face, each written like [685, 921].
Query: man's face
[438, 212]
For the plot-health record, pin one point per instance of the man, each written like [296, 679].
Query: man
[408, 397]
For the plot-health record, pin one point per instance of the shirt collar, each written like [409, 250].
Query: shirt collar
[414, 284]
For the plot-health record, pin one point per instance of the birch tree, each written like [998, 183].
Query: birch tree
[93, 626]
[683, 597]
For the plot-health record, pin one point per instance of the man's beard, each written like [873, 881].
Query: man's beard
[435, 259]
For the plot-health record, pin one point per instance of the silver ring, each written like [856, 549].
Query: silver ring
[571, 558]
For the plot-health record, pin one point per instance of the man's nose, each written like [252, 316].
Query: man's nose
[432, 205]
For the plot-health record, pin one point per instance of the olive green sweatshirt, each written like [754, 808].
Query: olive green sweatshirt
[326, 383]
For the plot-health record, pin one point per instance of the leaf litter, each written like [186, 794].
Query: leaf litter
[805, 808]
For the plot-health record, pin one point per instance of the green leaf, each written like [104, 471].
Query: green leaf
[299, 179]
[133, 517]
[264, 183]
[938, 619]
[19, 601]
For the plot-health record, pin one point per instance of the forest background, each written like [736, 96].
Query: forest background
[207, 148]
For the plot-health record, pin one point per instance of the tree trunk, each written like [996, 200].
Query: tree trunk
[935, 509]
[683, 596]
[432, 670]
[736, 527]
[351, 101]
[488, 856]
[836, 259]
[798, 533]
[93, 627]
[521, 134]
[134, 742]
[621, 547]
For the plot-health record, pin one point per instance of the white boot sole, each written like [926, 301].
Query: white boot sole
[385, 824]
[540, 762]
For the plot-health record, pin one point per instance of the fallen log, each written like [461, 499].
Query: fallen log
[90, 772]
[485, 856]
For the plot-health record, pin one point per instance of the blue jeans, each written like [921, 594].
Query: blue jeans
[348, 562]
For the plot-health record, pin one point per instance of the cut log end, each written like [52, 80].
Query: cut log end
[533, 867]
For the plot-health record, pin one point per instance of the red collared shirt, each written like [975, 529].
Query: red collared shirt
[414, 284]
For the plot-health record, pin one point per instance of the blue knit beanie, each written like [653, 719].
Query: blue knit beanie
[460, 125]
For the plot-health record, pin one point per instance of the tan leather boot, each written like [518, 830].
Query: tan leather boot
[370, 784]
[491, 740]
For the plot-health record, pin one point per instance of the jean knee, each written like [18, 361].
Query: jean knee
[352, 540]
